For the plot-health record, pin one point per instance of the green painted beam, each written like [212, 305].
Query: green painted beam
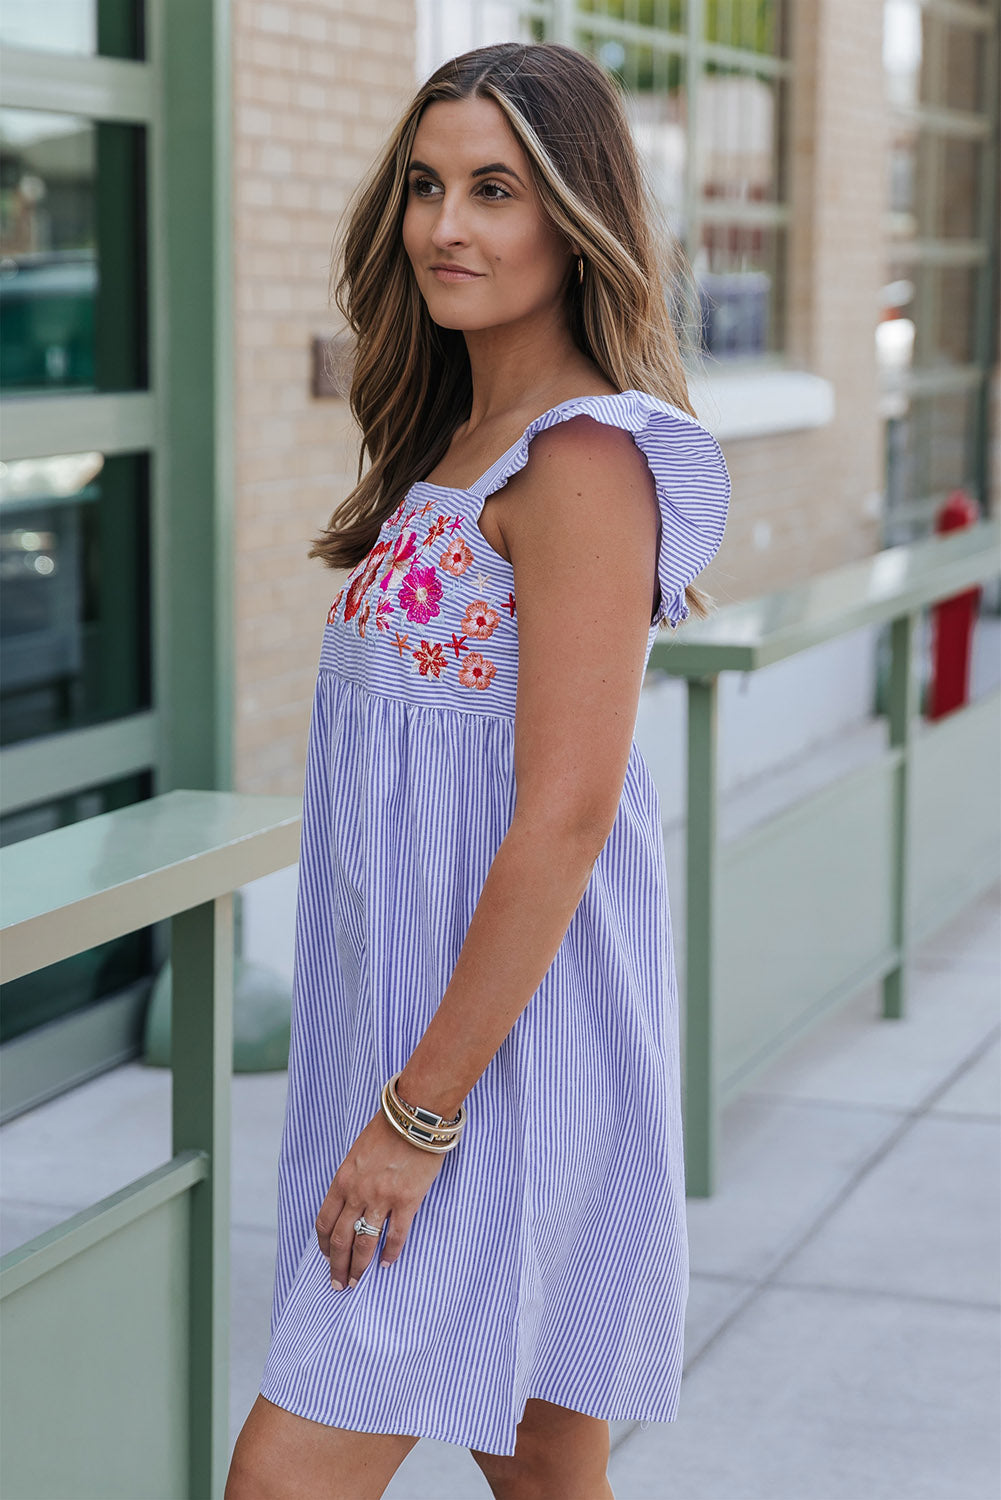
[701, 1046]
[104, 88]
[202, 1003]
[99, 1221]
[37, 426]
[897, 581]
[65, 891]
[55, 765]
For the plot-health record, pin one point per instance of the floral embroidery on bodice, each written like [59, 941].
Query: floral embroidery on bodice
[431, 598]
[428, 615]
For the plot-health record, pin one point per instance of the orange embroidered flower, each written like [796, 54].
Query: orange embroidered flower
[476, 671]
[435, 530]
[431, 659]
[458, 557]
[480, 620]
[363, 620]
[333, 608]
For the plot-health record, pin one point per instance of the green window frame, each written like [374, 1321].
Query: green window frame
[180, 92]
[942, 255]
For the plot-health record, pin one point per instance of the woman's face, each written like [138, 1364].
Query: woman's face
[489, 222]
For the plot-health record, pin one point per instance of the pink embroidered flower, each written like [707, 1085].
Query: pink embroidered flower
[476, 671]
[431, 659]
[333, 608]
[480, 620]
[361, 581]
[419, 594]
[404, 553]
[383, 610]
[458, 557]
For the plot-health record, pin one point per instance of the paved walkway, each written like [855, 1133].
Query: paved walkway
[842, 1335]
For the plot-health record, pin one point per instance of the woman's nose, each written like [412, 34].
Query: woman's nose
[449, 225]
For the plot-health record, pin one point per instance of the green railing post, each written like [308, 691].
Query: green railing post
[202, 1061]
[902, 703]
[700, 1061]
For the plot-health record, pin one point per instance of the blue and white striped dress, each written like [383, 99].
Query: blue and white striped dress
[550, 1256]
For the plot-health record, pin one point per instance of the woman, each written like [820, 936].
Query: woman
[483, 931]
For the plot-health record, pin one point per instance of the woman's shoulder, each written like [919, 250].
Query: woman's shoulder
[690, 474]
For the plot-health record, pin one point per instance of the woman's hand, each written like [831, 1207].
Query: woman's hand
[382, 1175]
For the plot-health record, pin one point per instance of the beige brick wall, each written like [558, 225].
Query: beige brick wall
[317, 84]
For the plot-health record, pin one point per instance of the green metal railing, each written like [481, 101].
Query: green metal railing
[115, 1324]
[806, 909]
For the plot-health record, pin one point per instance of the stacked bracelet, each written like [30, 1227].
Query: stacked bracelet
[421, 1127]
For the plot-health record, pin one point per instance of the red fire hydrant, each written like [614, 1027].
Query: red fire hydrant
[952, 623]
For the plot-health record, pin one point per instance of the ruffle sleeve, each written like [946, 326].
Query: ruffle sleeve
[689, 470]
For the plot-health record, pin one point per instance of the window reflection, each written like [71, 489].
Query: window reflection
[112, 28]
[737, 132]
[934, 59]
[72, 253]
[74, 592]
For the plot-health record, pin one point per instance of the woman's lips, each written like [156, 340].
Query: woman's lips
[444, 275]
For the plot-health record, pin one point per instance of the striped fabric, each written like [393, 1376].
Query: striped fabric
[550, 1257]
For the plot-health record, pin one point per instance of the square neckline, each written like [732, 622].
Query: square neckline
[455, 489]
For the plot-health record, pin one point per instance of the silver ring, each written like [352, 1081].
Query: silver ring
[362, 1226]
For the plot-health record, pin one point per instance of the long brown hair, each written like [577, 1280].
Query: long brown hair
[410, 378]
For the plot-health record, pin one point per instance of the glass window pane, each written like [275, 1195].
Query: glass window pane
[936, 180]
[964, 68]
[741, 275]
[945, 315]
[944, 427]
[932, 450]
[934, 59]
[655, 101]
[75, 597]
[86, 977]
[663, 15]
[738, 136]
[111, 28]
[929, 318]
[72, 253]
[751, 25]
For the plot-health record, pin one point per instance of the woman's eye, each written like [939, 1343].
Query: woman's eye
[494, 196]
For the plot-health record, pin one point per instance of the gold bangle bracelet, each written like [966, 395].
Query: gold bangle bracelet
[420, 1145]
[421, 1116]
[422, 1131]
[397, 1122]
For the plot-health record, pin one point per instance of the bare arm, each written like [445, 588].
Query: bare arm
[581, 533]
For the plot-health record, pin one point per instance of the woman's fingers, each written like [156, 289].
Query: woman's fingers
[350, 1253]
[342, 1238]
[363, 1246]
[400, 1221]
[330, 1210]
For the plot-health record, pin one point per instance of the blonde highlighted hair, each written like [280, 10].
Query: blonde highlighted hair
[410, 384]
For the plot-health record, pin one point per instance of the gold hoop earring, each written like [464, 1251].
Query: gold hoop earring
[580, 269]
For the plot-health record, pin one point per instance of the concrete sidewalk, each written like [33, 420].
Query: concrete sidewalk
[842, 1335]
